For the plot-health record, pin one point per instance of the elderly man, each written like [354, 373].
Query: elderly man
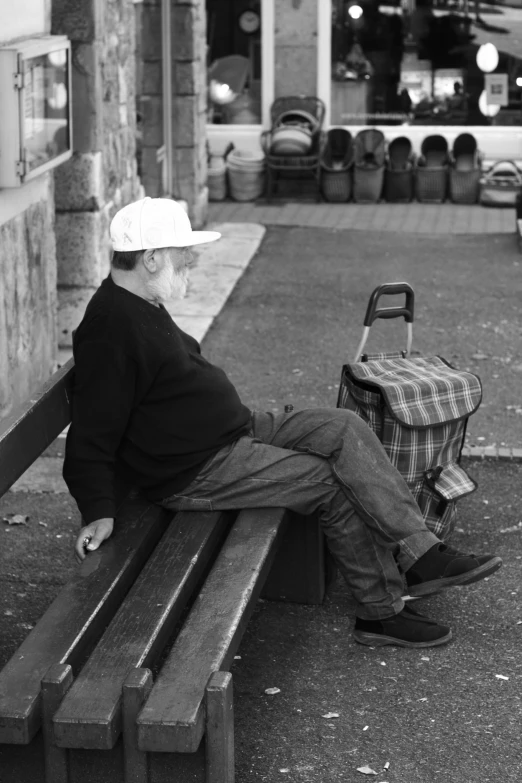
[145, 397]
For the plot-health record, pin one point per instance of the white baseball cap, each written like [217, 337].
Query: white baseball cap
[153, 223]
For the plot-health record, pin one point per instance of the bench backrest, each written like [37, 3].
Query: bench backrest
[33, 426]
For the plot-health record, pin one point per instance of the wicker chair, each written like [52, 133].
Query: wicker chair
[465, 170]
[368, 175]
[398, 181]
[431, 170]
[294, 167]
[336, 165]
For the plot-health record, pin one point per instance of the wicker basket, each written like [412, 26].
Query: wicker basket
[336, 185]
[245, 184]
[465, 171]
[217, 182]
[398, 181]
[398, 186]
[432, 170]
[336, 165]
[367, 184]
[464, 186]
[431, 184]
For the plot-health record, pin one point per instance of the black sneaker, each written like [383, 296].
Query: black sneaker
[408, 628]
[442, 566]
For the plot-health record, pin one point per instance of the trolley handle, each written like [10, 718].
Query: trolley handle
[373, 312]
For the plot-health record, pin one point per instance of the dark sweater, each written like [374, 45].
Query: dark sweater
[143, 396]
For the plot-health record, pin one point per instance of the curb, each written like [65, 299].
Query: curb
[477, 453]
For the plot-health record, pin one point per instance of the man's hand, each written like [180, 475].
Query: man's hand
[96, 532]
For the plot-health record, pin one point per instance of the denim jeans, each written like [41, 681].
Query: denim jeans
[325, 460]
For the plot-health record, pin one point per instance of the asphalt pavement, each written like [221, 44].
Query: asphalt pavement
[282, 333]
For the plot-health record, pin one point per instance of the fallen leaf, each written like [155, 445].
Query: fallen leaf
[43, 524]
[16, 519]
[8, 613]
[272, 691]
[423, 699]
[27, 626]
[424, 658]
[512, 529]
[330, 715]
[366, 770]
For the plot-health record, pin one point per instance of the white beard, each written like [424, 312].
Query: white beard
[168, 284]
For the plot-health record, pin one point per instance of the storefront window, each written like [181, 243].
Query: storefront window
[426, 62]
[234, 61]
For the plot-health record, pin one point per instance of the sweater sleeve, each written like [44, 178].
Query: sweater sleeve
[103, 395]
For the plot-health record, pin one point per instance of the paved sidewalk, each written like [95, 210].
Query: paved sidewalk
[447, 714]
[411, 218]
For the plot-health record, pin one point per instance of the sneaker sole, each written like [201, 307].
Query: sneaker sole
[380, 640]
[480, 572]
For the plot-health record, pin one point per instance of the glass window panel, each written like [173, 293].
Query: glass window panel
[414, 62]
[234, 61]
[46, 108]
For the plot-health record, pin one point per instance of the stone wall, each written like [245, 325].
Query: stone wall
[102, 176]
[189, 50]
[189, 102]
[295, 47]
[28, 332]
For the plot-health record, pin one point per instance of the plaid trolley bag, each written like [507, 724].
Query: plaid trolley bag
[419, 409]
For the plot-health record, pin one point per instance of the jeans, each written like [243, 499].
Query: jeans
[325, 460]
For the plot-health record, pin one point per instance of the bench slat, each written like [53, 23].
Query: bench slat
[174, 715]
[91, 714]
[78, 616]
[32, 427]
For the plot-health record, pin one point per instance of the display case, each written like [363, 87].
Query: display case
[35, 106]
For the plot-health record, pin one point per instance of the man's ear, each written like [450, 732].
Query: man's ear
[149, 261]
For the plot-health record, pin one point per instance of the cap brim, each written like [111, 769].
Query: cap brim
[201, 237]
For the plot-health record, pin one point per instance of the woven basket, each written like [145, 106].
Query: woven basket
[367, 184]
[217, 184]
[217, 178]
[464, 186]
[398, 186]
[244, 184]
[336, 185]
[431, 184]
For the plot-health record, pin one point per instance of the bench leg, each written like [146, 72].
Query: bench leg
[136, 689]
[55, 685]
[220, 729]
[298, 573]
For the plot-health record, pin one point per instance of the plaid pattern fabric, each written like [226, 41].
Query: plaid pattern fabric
[427, 456]
[421, 392]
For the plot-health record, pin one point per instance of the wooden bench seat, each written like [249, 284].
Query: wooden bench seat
[167, 592]
[173, 718]
[90, 715]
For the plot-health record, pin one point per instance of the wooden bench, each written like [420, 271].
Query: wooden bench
[167, 593]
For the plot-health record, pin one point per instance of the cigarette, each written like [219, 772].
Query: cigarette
[86, 541]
